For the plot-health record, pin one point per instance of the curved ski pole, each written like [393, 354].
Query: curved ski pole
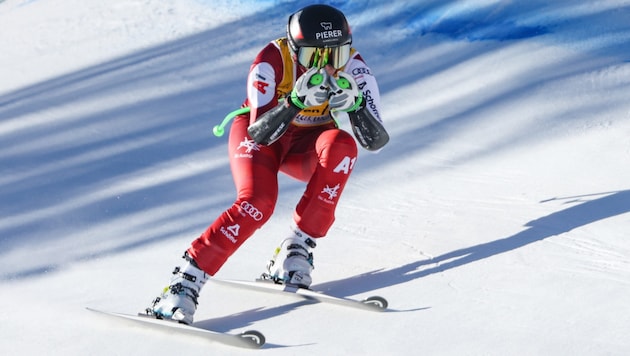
[219, 129]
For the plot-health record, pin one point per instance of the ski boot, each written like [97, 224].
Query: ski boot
[178, 301]
[292, 262]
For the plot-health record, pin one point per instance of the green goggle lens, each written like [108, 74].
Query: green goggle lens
[319, 57]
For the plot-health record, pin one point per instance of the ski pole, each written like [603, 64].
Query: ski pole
[219, 129]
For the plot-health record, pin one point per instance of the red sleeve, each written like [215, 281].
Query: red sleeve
[265, 74]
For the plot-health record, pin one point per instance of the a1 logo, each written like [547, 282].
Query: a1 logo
[345, 165]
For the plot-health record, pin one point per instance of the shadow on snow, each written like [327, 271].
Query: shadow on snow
[73, 166]
[587, 212]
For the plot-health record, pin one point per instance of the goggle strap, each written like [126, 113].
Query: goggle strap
[315, 59]
[324, 57]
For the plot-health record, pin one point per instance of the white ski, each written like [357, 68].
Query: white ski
[249, 339]
[374, 303]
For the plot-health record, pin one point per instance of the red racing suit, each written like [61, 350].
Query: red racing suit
[313, 150]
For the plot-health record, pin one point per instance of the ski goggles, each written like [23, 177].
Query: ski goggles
[320, 56]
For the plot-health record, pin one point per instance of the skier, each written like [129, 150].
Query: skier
[295, 86]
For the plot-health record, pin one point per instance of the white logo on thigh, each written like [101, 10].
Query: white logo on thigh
[249, 146]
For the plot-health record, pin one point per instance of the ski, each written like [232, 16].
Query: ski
[374, 303]
[248, 339]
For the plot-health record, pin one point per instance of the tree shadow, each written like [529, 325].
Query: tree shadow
[587, 212]
[88, 155]
[65, 171]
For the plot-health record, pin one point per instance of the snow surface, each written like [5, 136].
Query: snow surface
[496, 220]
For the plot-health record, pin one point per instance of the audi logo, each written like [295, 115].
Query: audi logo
[251, 211]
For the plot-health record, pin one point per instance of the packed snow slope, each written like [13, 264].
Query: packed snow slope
[496, 220]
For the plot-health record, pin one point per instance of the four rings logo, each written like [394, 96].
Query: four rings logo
[251, 210]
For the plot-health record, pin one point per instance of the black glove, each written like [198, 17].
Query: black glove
[367, 129]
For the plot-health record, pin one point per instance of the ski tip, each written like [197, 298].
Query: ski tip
[378, 303]
[255, 339]
[95, 310]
